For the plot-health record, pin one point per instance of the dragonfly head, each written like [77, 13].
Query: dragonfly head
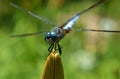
[51, 37]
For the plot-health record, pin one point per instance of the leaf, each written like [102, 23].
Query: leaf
[53, 68]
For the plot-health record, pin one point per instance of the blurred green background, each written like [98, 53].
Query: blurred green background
[86, 55]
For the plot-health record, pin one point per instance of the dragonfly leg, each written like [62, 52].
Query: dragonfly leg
[60, 49]
[51, 47]
[55, 47]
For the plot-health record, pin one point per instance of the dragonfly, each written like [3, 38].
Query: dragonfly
[54, 36]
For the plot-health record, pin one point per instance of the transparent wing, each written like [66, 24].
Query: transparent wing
[68, 25]
[28, 34]
[95, 30]
[33, 14]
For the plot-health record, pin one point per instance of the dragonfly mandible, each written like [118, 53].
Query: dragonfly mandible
[54, 36]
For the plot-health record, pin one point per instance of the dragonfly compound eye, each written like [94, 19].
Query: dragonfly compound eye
[51, 37]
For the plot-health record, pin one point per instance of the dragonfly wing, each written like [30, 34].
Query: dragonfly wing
[28, 34]
[95, 30]
[68, 25]
[45, 20]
